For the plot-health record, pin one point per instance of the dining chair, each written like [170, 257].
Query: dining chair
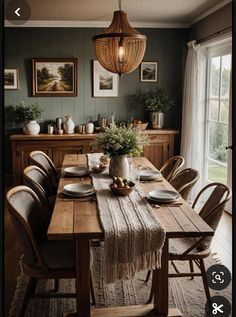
[42, 258]
[184, 181]
[171, 167]
[42, 160]
[35, 178]
[195, 250]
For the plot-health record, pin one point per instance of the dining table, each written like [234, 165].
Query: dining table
[78, 219]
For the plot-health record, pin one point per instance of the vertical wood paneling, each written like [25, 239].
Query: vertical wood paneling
[22, 44]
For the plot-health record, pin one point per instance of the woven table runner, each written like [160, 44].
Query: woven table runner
[134, 236]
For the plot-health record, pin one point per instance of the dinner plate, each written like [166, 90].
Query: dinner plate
[149, 175]
[163, 195]
[76, 171]
[78, 195]
[78, 189]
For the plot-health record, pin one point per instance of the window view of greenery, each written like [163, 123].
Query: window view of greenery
[218, 103]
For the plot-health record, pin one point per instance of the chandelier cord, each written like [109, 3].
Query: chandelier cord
[119, 1]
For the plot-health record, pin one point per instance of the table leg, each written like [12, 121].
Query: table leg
[83, 277]
[160, 284]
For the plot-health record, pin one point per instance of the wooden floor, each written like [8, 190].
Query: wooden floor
[222, 245]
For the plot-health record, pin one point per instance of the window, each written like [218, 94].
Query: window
[217, 114]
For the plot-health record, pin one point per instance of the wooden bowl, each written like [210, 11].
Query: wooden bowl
[122, 191]
[140, 126]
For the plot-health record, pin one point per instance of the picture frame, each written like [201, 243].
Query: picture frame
[149, 72]
[11, 78]
[105, 83]
[54, 77]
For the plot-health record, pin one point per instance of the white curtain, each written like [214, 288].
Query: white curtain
[228, 206]
[192, 134]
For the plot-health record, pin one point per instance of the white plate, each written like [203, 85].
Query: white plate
[163, 195]
[78, 189]
[76, 171]
[78, 195]
[149, 174]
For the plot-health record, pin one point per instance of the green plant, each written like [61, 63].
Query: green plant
[22, 112]
[158, 100]
[116, 141]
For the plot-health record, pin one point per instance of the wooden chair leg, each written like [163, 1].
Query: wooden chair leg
[56, 285]
[204, 279]
[152, 289]
[29, 291]
[92, 289]
[148, 276]
[191, 268]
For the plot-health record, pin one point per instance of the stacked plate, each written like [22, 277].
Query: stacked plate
[163, 195]
[76, 171]
[149, 175]
[78, 190]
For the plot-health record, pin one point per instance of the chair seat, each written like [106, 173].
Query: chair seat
[178, 246]
[59, 255]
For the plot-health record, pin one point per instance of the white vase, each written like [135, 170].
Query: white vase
[69, 125]
[119, 166]
[31, 128]
[157, 120]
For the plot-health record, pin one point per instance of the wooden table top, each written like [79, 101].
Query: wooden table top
[72, 218]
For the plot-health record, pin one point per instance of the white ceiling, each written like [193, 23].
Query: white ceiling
[147, 11]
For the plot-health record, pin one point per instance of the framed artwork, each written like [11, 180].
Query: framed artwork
[54, 77]
[11, 78]
[105, 83]
[149, 71]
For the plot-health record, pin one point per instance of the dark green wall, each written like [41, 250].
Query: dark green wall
[167, 46]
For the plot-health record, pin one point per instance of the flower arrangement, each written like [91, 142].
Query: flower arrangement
[158, 100]
[121, 140]
[26, 113]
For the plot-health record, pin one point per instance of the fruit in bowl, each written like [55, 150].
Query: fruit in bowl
[121, 187]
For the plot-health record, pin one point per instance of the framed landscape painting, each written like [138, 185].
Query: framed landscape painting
[105, 83]
[11, 78]
[54, 77]
[149, 72]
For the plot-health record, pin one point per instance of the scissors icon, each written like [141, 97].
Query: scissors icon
[217, 308]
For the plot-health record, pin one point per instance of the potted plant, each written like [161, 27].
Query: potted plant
[118, 142]
[27, 114]
[156, 102]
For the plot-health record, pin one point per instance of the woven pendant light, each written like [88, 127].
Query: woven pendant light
[120, 48]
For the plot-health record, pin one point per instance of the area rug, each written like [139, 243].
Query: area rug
[185, 294]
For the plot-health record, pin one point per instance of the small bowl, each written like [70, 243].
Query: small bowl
[122, 191]
[141, 126]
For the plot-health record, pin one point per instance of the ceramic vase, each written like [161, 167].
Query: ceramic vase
[69, 125]
[157, 120]
[31, 128]
[119, 166]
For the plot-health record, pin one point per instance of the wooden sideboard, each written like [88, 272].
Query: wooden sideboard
[160, 148]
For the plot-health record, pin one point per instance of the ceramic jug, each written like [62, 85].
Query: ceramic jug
[69, 125]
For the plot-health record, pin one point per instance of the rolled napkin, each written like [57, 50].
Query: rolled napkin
[134, 236]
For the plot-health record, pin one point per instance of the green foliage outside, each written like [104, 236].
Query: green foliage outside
[218, 142]
[216, 172]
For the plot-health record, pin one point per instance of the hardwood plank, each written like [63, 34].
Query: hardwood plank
[61, 224]
[184, 222]
[86, 220]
